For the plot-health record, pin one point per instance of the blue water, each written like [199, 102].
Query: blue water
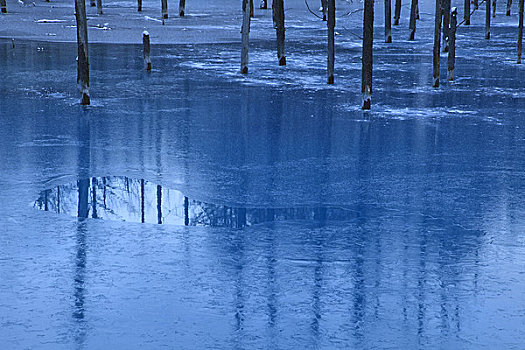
[430, 252]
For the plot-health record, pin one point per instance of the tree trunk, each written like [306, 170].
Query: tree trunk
[83, 57]
[509, 4]
[397, 12]
[388, 21]
[366, 68]
[520, 29]
[452, 43]
[146, 44]
[445, 4]
[245, 30]
[493, 8]
[182, 5]
[99, 7]
[466, 14]
[487, 19]
[278, 8]
[412, 23]
[139, 6]
[331, 40]
[164, 4]
[437, 43]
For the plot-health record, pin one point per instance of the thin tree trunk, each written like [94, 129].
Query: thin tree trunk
[245, 35]
[99, 7]
[388, 21]
[331, 40]
[186, 211]
[493, 8]
[445, 4]
[324, 6]
[452, 43]
[509, 4]
[252, 13]
[142, 200]
[437, 43]
[164, 4]
[487, 19]
[466, 14]
[279, 18]
[397, 12]
[412, 24]
[182, 5]
[159, 204]
[367, 58]
[139, 6]
[520, 29]
[146, 44]
[3, 6]
[83, 56]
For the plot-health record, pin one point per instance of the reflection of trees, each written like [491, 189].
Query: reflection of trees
[125, 199]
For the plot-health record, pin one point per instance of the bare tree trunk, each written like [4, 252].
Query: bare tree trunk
[493, 8]
[324, 6]
[509, 4]
[139, 6]
[146, 44]
[142, 200]
[252, 13]
[452, 43]
[412, 24]
[445, 6]
[397, 12]
[186, 211]
[278, 8]
[487, 19]
[331, 40]
[182, 5]
[466, 14]
[164, 4]
[159, 204]
[83, 57]
[367, 59]
[520, 29]
[388, 21]
[99, 7]
[437, 43]
[245, 30]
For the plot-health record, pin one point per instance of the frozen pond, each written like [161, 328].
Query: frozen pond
[323, 227]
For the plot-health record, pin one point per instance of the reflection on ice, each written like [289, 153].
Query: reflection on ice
[133, 200]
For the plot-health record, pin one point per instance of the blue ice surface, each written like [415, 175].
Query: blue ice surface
[432, 254]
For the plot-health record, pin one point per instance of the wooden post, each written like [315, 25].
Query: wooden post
[83, 57]
[487, 19]
[520, 29]
[388, 21]
[146, 44]
[3, 6]
[324, 6]
[139, 7]
[445, 7]
[278, 8]
[245, 30]
[466, 14]
[164, 4]
[331, 40]
[263, 5]
[437, 43]
[397, 12]
[366, 68]
[99, 7]
[182, 5]
[509, 4]
[412, 23]
[493, 8]
[452, 43]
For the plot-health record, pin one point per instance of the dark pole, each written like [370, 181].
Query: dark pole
[452, 43]
[164, 4]
[520, 29]
[509, 4]
[83, 198]
[146, 44]
[99, 7]
[397, 12]
[366, 69]
[278, 8]
[182, 5]
[493, 8]
[437, 42]
[159, 204]
[412, 23]
[186, 211]
[139, 7]
[94, 184]
[245, 30]
[445, 6]
[466, 15]
[142, 199]
[83, 57]
[324, 6]
[252, 13]
[388, 21]
[3, 6]
[331, 40]
[487, 19]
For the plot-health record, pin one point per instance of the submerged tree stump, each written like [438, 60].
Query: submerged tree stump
[397, 12]
[331, 41]
[146, 45]
[437, 43]
[452, 43]
[278, 10]
[388, 21]
[182, 5]
[412, 23]
[83, 57]
[520, 29]
[366, 68]
[245, 32]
